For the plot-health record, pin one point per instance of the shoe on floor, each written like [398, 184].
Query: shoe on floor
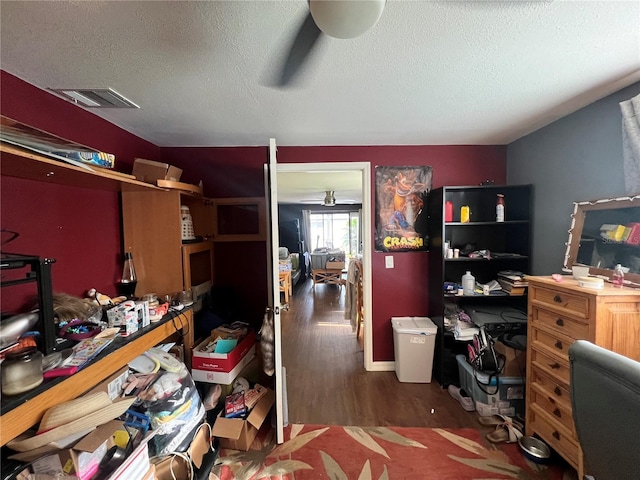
[462, 397]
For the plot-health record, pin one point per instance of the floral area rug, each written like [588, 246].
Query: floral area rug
[363, 453]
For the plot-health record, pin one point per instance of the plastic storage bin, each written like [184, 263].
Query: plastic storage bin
[319, 261]
[508, 399]
[414, 339]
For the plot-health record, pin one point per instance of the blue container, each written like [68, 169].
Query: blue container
[508, 398]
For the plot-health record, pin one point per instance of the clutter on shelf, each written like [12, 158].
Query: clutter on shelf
[144, 414]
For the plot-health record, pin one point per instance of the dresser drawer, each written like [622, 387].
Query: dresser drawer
[558, 344]
[551, 366]
[560, 323]
[561, 412]
[557, 391]
[554, 434]
[573, 304]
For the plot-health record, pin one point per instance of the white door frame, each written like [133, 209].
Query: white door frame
[271, 193]
[365, 168]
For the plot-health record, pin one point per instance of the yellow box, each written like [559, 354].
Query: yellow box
[465, 214]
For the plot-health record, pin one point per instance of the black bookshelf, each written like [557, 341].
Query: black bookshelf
[508, 242]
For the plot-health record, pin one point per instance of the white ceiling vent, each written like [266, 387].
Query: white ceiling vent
[95, 97]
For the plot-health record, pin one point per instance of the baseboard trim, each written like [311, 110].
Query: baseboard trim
[383, 367]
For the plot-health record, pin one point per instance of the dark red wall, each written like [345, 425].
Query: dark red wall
[78, 227]
[81, 229]
[402, 291]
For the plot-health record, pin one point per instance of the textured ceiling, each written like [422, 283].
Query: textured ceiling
[451, 72]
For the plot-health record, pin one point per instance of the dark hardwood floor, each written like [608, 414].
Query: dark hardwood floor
[328, 385]
[326, 380]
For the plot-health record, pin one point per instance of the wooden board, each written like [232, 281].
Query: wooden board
[185, 187]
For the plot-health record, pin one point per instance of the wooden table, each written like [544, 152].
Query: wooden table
[285, 285]
[327, 276]
[21, 412]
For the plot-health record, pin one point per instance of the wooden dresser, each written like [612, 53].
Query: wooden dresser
[559, 314]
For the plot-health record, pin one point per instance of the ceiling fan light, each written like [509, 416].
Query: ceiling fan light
[346, 18]
[329, 199]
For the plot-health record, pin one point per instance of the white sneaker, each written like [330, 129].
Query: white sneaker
[462, 397]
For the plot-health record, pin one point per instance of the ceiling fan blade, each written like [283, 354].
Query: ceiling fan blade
[300, 51]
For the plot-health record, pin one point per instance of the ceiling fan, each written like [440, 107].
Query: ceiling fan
[336, 18]
[327, 199]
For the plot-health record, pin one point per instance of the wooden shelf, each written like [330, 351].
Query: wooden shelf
[16, 162]
[21, 412]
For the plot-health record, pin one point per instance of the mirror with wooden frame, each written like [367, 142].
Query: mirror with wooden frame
[604, 233]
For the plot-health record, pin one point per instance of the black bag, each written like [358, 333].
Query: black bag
[483, 358]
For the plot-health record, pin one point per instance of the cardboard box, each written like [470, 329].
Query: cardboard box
[53, 464]
[515, 360]
[113, 384]
[87, 454]
[223, 378]
[125, 316]
[634, 234]
[335, 266]
[150, 171]
[222, 362]
[238, 434]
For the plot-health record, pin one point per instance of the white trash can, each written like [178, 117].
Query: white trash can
[414, 340]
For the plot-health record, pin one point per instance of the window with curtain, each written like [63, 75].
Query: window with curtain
[340, 230]
[631, 144]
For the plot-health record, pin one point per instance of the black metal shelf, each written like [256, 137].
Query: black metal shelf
[481, 224]
[492, 259]
[40, 272]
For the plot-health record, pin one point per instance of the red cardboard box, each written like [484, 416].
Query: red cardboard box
[221, 362]
[223, 378]
[634, 234]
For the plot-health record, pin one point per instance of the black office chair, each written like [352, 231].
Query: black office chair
[605, 394]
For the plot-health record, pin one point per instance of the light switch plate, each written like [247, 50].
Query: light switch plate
[388, 261]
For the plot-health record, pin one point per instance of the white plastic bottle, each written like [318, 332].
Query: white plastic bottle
[618, 276]
[500, 208]
[468, 283]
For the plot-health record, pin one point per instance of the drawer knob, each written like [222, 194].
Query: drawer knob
[555, 365]
[560, 322]
[557, 391]
[552, 400]
[557, 413]
[556, 435]
[559, 345]
[557, 299]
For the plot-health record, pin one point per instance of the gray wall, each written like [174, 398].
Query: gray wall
[576, 158]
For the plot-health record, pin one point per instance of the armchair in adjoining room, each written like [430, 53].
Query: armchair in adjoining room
[605, 394]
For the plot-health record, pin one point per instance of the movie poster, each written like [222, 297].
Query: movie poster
[401, 210]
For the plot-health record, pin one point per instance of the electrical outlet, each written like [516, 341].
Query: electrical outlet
[388, 261]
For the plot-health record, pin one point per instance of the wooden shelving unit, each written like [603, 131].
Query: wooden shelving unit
[17, 162]
[21, 412]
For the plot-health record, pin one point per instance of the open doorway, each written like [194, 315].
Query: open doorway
[312, 176]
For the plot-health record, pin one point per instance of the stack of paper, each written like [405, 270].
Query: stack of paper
[465, 331]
